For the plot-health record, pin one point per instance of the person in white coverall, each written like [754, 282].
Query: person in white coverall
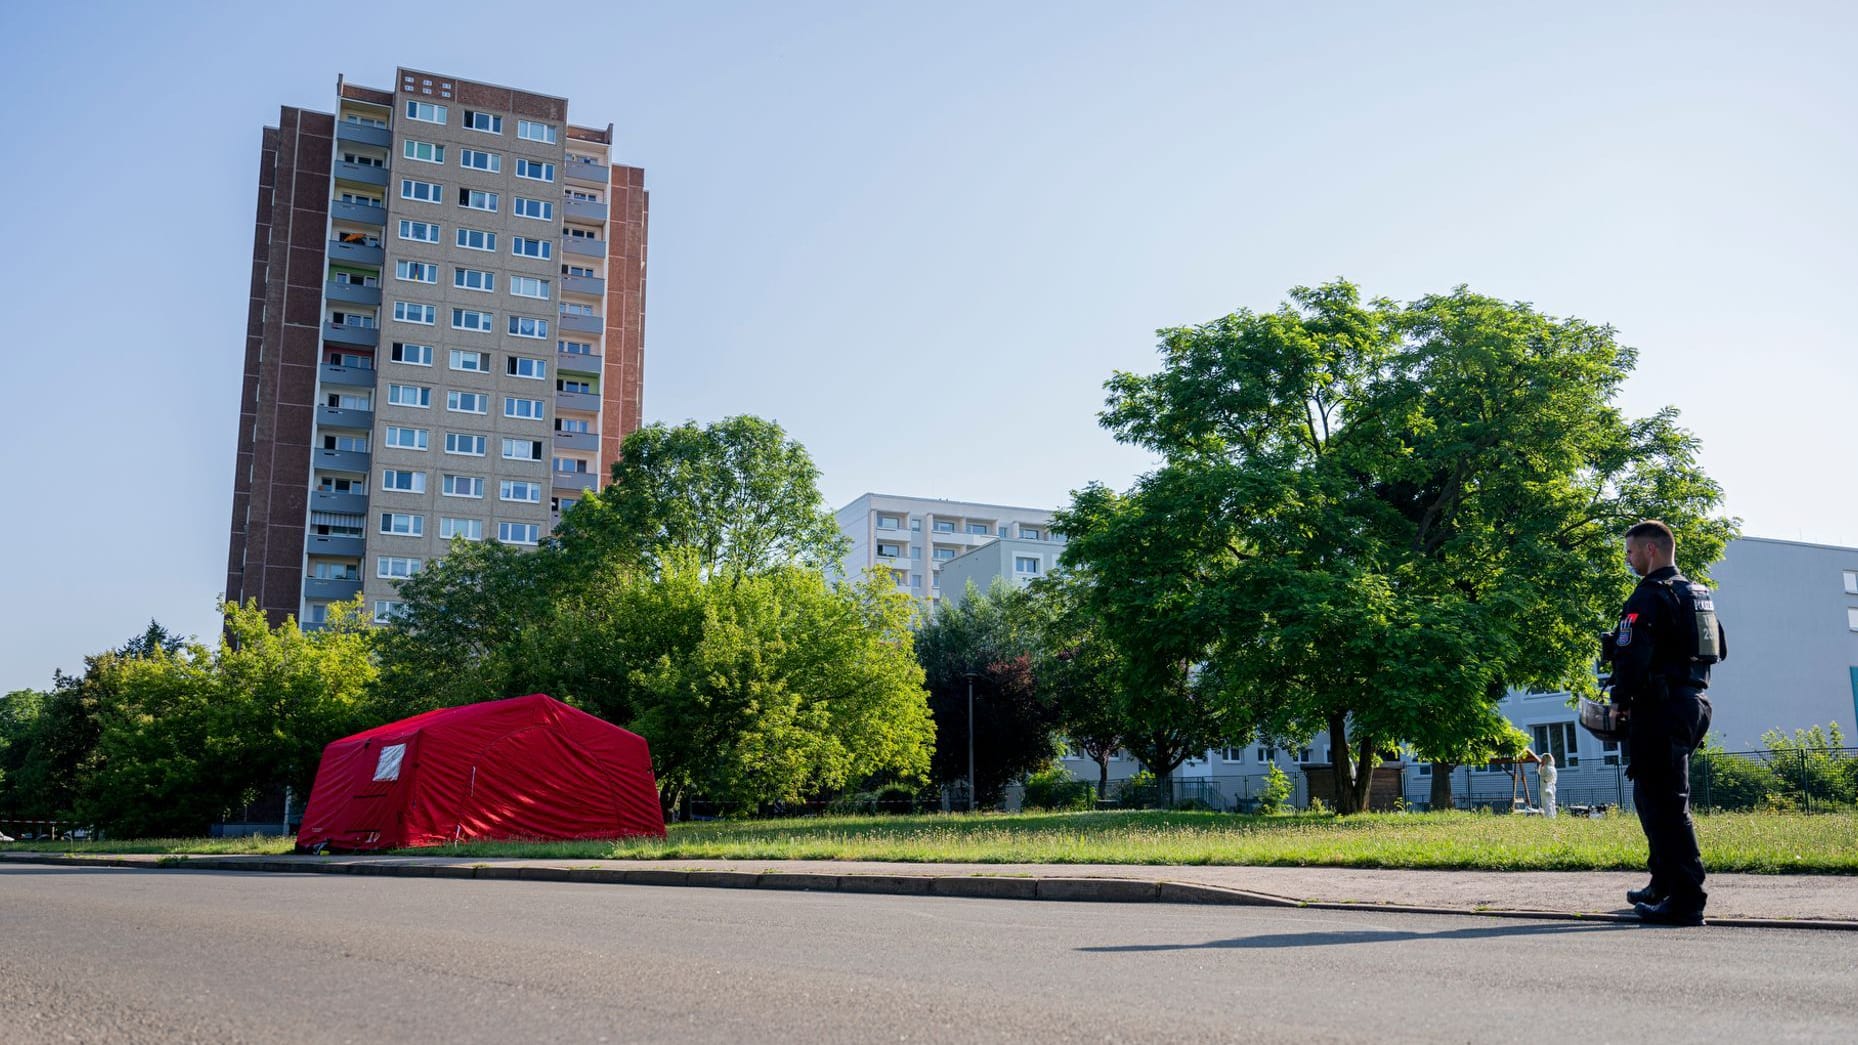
[1547, 775]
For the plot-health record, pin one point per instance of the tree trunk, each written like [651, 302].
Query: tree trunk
[1442, 786]
[1364, 774]
[1103, 776]
[1164, 788]
[1342, 765]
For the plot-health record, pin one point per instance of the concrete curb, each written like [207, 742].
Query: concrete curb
[971, 886]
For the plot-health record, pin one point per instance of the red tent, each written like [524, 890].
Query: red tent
[526, 767]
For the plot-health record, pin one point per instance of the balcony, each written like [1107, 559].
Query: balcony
[587, 248]
[334, 591]
[585, 171]
[593, 286]
[354, 462]
[577, 362]
[576, 323]
[360, 173]
[584, 401]
[361, 213]
[355, 253]
[351, 294]
[577, 441]
[343, 334]
[362, 134]
[576, 481]
[583, 210]
[348, 376]
[346, 503]
[344, 417]
[336, 547]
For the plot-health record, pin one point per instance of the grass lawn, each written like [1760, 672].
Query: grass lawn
[1763, 843]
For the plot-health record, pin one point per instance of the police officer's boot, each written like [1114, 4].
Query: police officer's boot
[1671, 910]
[1651, 894]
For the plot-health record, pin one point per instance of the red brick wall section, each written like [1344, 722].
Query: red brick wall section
[248, 395]
[623, 372]
[280, 408]
[448, 90]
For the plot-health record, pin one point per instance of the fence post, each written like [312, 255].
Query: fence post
[1709, 765]
[1806, 789]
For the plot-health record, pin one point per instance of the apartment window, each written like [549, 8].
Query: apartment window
[335, 571]
[529, 286]
[560, 504]
[332, 484]
[469, 529]
[352, 443]
[1558, 739]
[479, 160]
[363, 121]
[916, 553]
[362, 159]
[916, 580]
[890, 550]
[519, 533]
[489, 123]
[403, 524]
[535, 169]
[349, 400]
[467, 402]
[424, 152]
[477, 239]
[354, 362]
[515, 490]
[944, 526]
[1267, 755]
[419, 231]
[1029, 533]
[943, 554]
[335, 524]
[406, 438]
[1851, 582]
[576, 308]
[403, 481]
[523, 366]
[574, 232]
[978, 528]
[416, 271]
[470, 319]
[570, 464]
[461, 443]
[348, 278]
[522, 450]
[462, 486]
[409, 312]
[1851, 618]
[474, 279]
[535, 132]
[395, 567]
[575, 348]
[570, 385]
[421, 191]
[524, 207]
[528, 247]
[1232, 754]
[409, 395]
[524, 408]
[388, 610]
[578, 270]
[584, 197]
[902, 576]
[409, 353]
[573, 425]
[360, 200]
[1609, 752]
[425, 112]
[528, 326]
[477, 199]
[1025, 565]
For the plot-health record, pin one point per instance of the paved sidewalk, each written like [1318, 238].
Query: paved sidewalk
[1816, 901]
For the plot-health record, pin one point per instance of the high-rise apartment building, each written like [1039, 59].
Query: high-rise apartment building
[914, 537]
[445, 336]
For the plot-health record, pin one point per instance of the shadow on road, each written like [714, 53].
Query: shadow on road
[1349, 936]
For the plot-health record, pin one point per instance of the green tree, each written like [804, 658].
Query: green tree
[739, 492]
[1373, 519]
[185, 735]
[1079, 671]
[989, 635]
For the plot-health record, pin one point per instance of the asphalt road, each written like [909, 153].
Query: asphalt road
[99, 954]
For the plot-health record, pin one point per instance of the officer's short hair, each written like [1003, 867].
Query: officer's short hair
[1655, 532]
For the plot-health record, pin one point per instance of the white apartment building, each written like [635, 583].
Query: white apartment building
[915, 538]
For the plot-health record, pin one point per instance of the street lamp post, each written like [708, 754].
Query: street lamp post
[969, 675]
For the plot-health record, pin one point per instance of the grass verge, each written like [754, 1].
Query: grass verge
[1761, 843]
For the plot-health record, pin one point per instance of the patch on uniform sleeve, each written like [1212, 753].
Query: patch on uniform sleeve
[1625, 629]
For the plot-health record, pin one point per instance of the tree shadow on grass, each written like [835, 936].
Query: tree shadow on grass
[1271, 941]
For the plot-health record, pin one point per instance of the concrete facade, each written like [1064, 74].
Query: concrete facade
[445, 340]
[1016, 560]
[916, 537]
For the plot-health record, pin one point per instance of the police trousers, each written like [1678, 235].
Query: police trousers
[1663, 733]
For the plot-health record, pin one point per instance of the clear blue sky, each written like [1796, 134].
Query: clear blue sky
[921, 236]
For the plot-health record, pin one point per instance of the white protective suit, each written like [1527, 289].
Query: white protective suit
[1547, 775]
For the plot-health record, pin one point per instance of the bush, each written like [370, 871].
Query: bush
[1138, 791]
[1732, 782]
[1277, 790]
[1053, 788]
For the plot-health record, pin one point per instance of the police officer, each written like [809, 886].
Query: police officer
[1660, 679]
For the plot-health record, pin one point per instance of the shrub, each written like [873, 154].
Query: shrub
[1277, 790]
[1733, 782]
[1053, 788]
[1138, 791]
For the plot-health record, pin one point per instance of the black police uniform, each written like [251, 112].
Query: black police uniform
[1666, 695]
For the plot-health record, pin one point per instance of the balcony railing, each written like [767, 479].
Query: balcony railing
[332, 590]
[350, 461]
[335, 547]
[590, 285]
[360, 173]
[576, 480]
[362, 134]
[584, 210]
[351, 293]
[361, 213]
[345, 503]
[344, 417]
[578, 362]
[581, 169]
[350, 376]
[344, 334]
[355, 253]
[587, 248]
[579, 323]
[577, 441]
[586, 401]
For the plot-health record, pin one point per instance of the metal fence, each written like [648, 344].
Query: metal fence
[1812, 780]
[34, 829]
